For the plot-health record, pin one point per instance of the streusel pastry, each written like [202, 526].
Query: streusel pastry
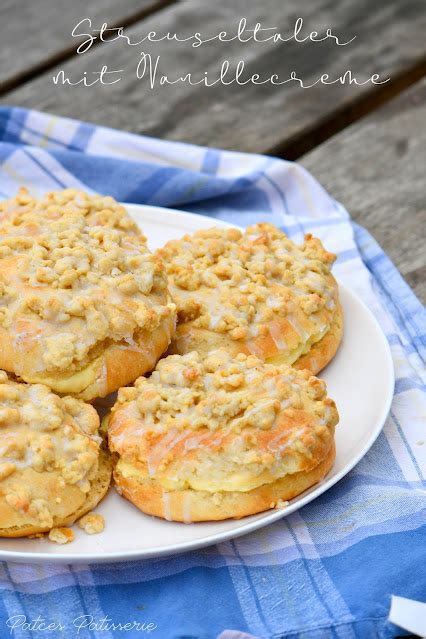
[212, 437]
[255, 292]
[84, 306]
[52, 468]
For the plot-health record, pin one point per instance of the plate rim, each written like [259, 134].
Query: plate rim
[216, 538]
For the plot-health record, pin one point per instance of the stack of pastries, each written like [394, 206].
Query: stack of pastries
[218, 415]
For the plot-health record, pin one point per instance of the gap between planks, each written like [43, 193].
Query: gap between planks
[65, 54]
[299, 145]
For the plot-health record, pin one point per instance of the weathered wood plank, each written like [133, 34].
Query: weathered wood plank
[33, 33]
[376, 169]
[389, 40]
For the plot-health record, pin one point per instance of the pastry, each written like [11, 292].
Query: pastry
[84, 306]
[52, 467]
[209, 437]
[254, 292]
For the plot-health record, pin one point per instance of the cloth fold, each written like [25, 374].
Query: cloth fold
[329, 569]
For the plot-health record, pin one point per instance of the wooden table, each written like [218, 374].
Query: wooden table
[366, 144]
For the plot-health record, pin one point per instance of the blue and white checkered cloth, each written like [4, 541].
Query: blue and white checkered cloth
[326, 571]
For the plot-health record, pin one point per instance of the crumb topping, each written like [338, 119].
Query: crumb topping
[281, 504]
[238, 283]
[61, 535]
[42, 432]
[221, 416]
[75, 271]
[92, 524]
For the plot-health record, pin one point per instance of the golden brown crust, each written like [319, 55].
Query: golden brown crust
[84, 306]
[192, 505]
[189, 338]
[255, 293]
[219, 424]
[322, 352]
[71, 509]
[52, 468]
[116, 366]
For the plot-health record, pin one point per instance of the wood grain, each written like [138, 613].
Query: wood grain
[376, 168]
[34, 33]
[389, 40]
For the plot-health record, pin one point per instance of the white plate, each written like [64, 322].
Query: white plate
[360, 379]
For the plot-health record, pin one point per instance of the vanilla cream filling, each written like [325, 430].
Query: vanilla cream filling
[237, 483]
[293, 356]
[74, 383]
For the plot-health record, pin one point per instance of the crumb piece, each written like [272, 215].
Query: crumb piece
[92, 524]
[420, 442]
[280, 505]
[61, 535]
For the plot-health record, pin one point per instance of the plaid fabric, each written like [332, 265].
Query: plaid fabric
[326, 571]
